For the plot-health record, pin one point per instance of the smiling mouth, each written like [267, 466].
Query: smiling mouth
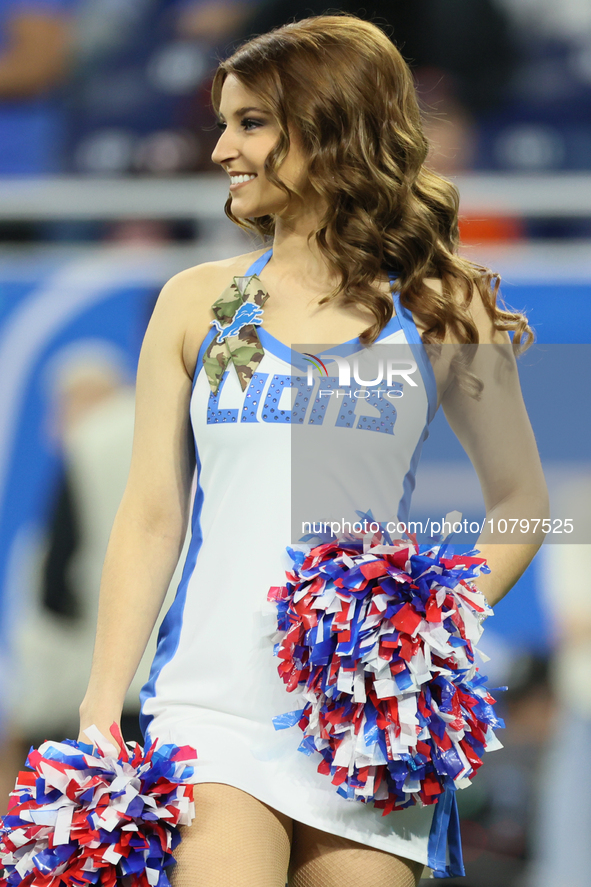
[241, 178]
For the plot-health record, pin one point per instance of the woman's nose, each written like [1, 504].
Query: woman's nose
[224, 149]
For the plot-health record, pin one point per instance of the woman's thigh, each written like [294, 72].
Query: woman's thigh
[322, 860]
[234, 841]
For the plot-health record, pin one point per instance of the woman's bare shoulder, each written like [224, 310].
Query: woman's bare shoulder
[186, 300]
[487, 333]
[203, 279]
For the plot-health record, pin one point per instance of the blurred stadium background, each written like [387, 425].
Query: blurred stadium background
[106, 190]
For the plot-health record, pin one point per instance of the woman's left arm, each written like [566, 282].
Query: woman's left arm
[497, 436]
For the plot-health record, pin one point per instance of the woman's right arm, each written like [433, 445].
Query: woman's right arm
[149, 529]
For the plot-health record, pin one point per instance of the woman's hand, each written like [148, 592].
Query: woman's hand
[104, 727]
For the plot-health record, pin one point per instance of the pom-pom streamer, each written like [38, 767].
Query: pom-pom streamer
[96, 814]
[379, 640]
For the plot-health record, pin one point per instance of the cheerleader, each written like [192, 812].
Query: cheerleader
[321, 140]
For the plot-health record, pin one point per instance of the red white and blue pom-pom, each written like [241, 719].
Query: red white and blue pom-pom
[379, 640]
[96, 815]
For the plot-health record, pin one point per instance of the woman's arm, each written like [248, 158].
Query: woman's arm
[496, 434]
[149, 529]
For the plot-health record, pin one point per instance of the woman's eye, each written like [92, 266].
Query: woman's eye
[250, 123]
[246, 123]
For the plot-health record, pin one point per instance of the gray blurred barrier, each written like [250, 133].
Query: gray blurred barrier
[202, 197]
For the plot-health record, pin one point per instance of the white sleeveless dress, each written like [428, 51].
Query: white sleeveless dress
[214, 682]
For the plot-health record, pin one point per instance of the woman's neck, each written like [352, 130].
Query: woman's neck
[297, 254]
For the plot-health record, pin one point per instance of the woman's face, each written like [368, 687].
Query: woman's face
[249, 134]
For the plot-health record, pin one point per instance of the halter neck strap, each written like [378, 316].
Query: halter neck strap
[258, 265]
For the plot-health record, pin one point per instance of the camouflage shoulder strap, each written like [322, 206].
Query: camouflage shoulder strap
[238, 312]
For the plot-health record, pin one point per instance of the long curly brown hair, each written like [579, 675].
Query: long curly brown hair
[344, 88]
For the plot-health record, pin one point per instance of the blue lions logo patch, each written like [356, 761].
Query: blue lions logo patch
[247, 314]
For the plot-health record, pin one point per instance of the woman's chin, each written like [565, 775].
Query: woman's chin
[244, 208]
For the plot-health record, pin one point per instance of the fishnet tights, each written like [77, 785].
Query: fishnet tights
[236, 841]
[322, 860]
